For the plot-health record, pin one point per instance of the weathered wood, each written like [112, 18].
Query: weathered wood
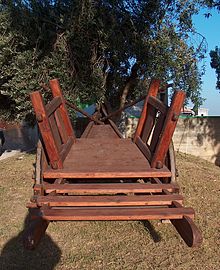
[153, 90]
[168, 128]
[102, 131]
[92, 118]
[149, 123]
[105, 158]
[52, 106]
[144, 148]
[189, 232]
[87, 130]
[56, 91]
[108, 213]
[108, 200]
[113, 125]
[132, 103]
[46, 132]
[35, 231]
[109, 188]
[38, 168]
[61, 127]
[66, 148]
[157, 104]
[55, 132]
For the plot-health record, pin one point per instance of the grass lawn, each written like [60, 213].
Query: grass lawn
[111, 245]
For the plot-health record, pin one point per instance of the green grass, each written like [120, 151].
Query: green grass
[111, 245]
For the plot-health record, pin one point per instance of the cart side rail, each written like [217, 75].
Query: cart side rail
[54, 125]
[157, 124]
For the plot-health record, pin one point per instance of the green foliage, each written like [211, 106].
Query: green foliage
[215, 63]
[91, 46]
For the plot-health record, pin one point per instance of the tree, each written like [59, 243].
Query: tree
[215, 63]
[99, 48]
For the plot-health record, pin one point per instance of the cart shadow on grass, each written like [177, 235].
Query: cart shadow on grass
[15, 256]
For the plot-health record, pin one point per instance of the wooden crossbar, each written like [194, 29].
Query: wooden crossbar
[108, 213]
[108, 188]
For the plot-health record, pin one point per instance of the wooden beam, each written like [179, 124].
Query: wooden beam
[114, 213]
[116, 200]
[56, 91]
[153, 90]
[46, 132]
[52, 106]
[168, 128]
[109, 188]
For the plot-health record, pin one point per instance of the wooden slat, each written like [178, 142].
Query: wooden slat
[115, 128]
[157, 104]
[68, 173]
[143, 147]
[109, 188]
[61, 127]
[109, 200]
[55, 132]
[52, 106]
[149, 123]
[102, 131]
[87, 130]
[108, 213]
[153, 90]
[46, 132]
[168, 128]
[66, 148]
[106, 158]
[156, 132]
[56, 91]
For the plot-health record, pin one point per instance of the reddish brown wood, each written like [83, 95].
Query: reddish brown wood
[108, 200]
[144, 148]
[153, 90]
[108, 213]
[188, 231]
[46, 133]
[149, 123]
[91, 117]
[113, 125]
[87, 130]
[109, 188]
[52, 106]
[157, 104]
[55, 132]
[56, 91]
[102, 131]
[61, 127]
[66, 148]
[35, 232]
[168, 128]
[157, 132]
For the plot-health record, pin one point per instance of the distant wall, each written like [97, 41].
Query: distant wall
[198, 136]
[19, 136]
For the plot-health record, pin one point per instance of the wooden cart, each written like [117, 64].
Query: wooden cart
[101, 175]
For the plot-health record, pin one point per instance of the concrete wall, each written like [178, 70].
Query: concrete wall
[198, 136]
[20, 137]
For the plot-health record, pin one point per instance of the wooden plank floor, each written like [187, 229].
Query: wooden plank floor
[106, 158]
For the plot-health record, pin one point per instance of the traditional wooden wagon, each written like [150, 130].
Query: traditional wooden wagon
[101, 175]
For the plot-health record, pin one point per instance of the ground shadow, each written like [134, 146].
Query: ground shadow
[14, 256]
[153, 233]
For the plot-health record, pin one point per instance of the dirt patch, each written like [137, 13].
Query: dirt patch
[111, 245]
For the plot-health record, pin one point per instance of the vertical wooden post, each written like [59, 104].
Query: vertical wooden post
[56, 91]
[168, 129]
[153, 90]
[45, 129]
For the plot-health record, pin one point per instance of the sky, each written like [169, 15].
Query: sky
[210, 29]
